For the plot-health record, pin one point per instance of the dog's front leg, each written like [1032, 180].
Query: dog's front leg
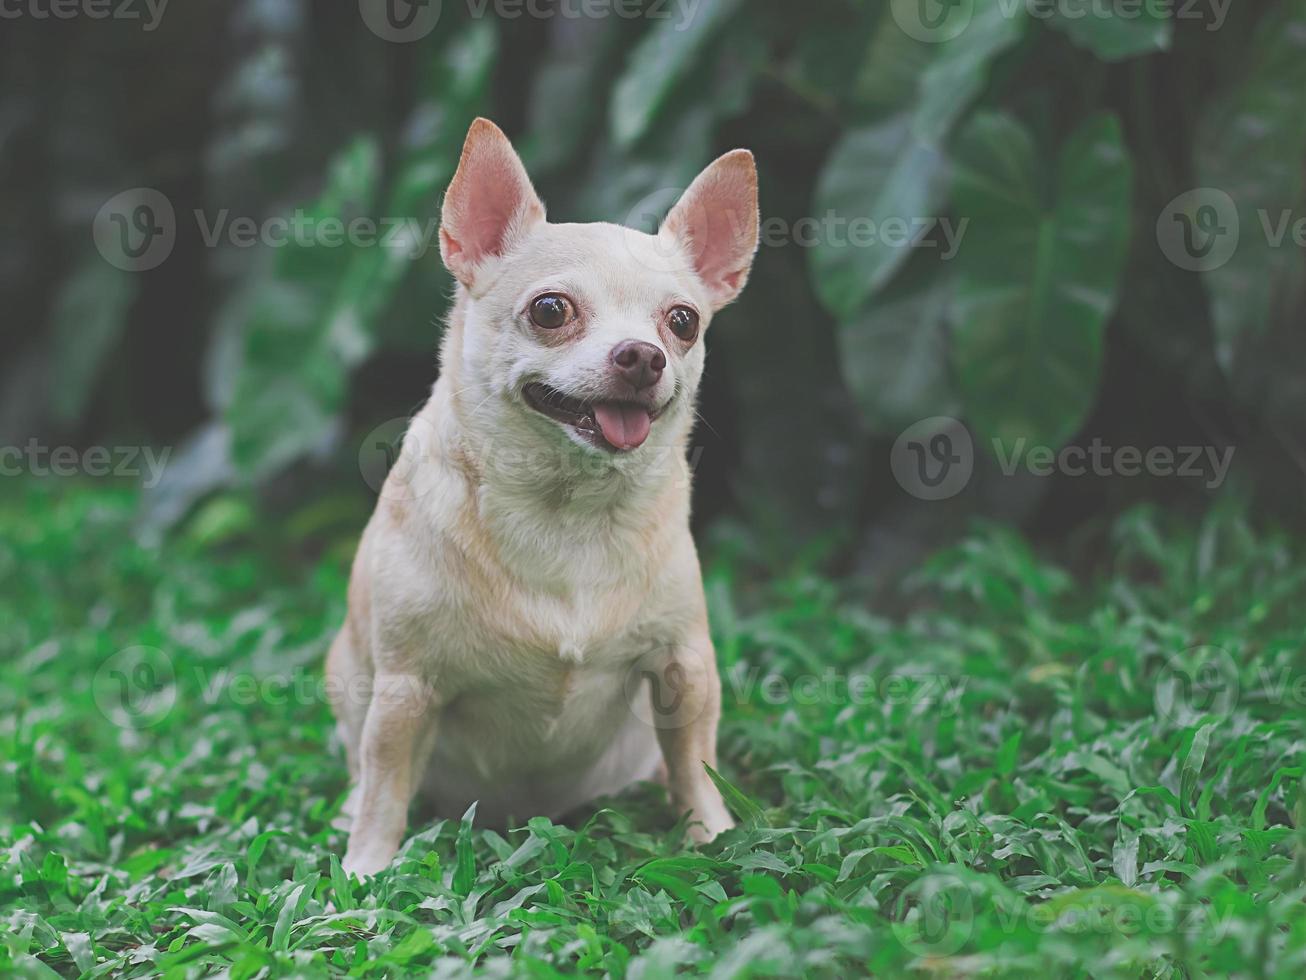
[686, 696]
[396, 742]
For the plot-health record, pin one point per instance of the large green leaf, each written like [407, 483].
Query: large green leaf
[894, 354]
[563, 112]
[1251, 145]
[1037, 278]
[938, 79]
[312, 315]
[895, 168]
[830, 47]
[1115, 31]
[876, 174]
[292, 375]
[959, 69]
[638, 185]
[889, 76]
[664, 58]
[410, 288]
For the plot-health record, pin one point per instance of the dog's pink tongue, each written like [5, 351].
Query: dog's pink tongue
[624, 426]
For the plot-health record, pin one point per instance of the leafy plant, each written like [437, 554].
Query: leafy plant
[1025, 772]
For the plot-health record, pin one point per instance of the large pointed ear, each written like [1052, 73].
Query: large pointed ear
[716, 222]
[490, 203]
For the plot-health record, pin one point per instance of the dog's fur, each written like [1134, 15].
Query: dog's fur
[522, 587]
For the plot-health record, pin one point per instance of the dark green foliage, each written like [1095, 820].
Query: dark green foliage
[1062, 146]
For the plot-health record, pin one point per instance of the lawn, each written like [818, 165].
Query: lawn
[992, 767]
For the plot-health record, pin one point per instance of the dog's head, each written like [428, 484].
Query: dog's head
[588, 333]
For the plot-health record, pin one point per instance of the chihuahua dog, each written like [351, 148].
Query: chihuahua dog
[526, 627]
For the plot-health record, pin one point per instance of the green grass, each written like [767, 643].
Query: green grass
[1017, 773]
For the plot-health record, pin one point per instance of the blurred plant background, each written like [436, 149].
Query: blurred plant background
[1057, 141]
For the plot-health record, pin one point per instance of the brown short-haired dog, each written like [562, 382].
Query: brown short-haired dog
[526, 625]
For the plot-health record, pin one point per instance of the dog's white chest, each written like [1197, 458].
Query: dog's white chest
[564, 729]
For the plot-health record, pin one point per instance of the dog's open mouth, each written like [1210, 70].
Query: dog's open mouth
[615, 425]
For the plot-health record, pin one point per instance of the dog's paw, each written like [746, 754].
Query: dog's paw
[707, 822]
[366, 861]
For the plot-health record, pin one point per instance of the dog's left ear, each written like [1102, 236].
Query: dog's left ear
[490, 203]
[716, 222]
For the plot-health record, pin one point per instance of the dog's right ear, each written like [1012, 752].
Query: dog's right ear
[490, 203]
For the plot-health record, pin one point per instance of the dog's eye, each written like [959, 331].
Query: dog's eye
[683, 323]
[551, 312]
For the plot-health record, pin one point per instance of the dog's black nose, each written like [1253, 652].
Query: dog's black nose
[639, 363]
